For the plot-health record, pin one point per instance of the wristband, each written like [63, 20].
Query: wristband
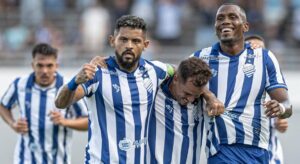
[72, 85]
[282, 109]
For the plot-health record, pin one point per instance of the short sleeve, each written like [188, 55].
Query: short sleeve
[10, 97]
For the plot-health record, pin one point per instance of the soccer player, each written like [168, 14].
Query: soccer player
[276, 124]
[119, 96]
[241, 78]
[176, 121]
[44, 131]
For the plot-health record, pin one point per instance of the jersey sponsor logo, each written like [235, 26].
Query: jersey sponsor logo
[126, 144]
[248, 69]
[231, 115]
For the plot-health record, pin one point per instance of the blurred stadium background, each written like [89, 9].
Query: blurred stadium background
[79, 29]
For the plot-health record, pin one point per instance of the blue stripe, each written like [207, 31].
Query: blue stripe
[135, 100]
[152, 136]
[195, 146]
[120, 118]
[77, 109]
[87, 149]
[256, 123]
[197, 54]
[241, 104]
[42, 117]
[28, 95]
[55, 142]
[65, 144]
[22, 149]
[101, 113]
[185, 139]
[169, 132]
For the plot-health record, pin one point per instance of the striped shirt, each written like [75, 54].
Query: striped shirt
[241, 82]
[45, 142]
[120, 103]
[275, 149]
[175, 131]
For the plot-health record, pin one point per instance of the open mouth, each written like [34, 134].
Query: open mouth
[226, 30]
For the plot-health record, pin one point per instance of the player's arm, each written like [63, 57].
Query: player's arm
[279, 105]
[80, 123]
[20, 126]
[73, 91]
[214, 106]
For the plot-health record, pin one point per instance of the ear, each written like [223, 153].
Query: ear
[246, 27]
[146, 43]
[111, 40]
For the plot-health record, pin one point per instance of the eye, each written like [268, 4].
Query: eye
[136, 41]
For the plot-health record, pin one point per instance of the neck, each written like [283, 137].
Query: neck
[232, 48]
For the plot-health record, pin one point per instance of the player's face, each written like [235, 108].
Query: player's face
[129, 44]
[187, 92]
[230, 25]
[44, 68]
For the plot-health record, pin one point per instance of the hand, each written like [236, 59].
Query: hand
[214, 107]
[281, 125]
[57, 118]
[272, 108]
[20, 126]
[86, 73]
[255, 44]
[99, 61]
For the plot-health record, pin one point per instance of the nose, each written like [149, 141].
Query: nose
[129, 45]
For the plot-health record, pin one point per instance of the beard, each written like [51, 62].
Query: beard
[127, 64]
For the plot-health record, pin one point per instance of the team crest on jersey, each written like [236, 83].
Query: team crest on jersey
[249, 69]
[214, 72]
[116, 87]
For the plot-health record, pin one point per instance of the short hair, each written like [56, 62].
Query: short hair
[44, 49]
[242, 11]
[132, 22]
[194, 68]
[258, 37]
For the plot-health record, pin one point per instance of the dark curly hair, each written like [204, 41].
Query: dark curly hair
[44, 49]
[194, 68]
[132, 22]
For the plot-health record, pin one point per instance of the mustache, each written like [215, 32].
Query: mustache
[128, 52]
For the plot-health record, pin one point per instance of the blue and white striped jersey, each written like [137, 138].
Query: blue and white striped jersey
[241, 82]
[275, 149]
[175, 131]
[45, 142]
[120, 103]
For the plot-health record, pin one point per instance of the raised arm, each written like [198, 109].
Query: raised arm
[73, 91]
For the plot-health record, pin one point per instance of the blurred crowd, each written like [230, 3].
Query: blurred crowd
[83, 25]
